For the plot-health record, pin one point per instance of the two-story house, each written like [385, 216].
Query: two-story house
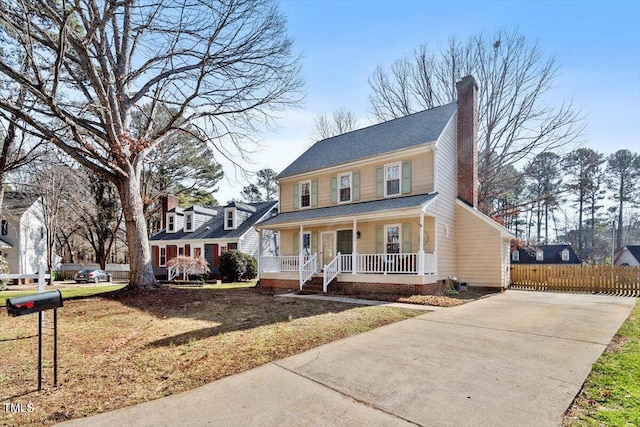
[23, 237]
[207, 232]
[389, 208]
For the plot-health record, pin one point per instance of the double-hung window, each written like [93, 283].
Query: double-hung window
[163, 256]
[171, 223]
[229, 218]
[306, 243]
[393, 239]
[515, 256]
[539, 255]
[565, 255]
[305, 194]
[344, 184]
[188, 220]
[392, 179]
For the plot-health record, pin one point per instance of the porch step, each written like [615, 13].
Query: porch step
[313, 286]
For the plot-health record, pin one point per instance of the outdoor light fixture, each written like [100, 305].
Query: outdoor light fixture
[358, 234]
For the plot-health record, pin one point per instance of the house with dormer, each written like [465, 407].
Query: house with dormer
[562, 254]
[389, 208]
[207, 232]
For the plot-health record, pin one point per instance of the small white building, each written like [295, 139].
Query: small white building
[23, 237]
[628, 255]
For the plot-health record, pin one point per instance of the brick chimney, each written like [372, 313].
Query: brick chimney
[467, 143]
[168, 202]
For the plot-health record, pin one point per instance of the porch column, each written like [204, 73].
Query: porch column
[301, 255]
[259, 252]
[354, 249]
[421, 250]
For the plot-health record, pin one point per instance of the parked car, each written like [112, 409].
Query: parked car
[91, 275]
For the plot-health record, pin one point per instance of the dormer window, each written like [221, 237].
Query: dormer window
[171, 223]
[188, 222]
[229, 218]
[565, 255]
[344, 183]
[515, 256]
[539, 255]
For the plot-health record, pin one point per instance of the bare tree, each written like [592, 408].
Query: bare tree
[514, 77]
[220, 66]
[341, 121]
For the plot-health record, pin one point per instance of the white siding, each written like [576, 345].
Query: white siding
[446, 186]
[249, 244]
[33, 240]
[628, 258]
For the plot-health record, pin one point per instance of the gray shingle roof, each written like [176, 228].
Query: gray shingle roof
[350, 209]
[414, 129]
[214, 227]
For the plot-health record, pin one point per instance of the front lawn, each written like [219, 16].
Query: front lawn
[121, 349]
[67, 292]
[611, 394]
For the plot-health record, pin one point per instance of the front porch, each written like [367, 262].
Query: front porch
[408, 268]
[370, 242]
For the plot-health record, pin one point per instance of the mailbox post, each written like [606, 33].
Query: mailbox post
[37, 303]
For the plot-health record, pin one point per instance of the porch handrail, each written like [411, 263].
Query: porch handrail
[172, 271]
[308, 269]
[330, 272]
[280, 263]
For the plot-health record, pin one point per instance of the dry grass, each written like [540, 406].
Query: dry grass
[125, 349]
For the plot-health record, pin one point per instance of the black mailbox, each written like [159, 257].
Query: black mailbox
[34, 303]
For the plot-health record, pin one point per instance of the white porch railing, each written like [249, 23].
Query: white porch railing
[308, 269]
[277, 264]
[406, 263]
[330, 271]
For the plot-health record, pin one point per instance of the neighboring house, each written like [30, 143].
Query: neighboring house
[207, 232]
[397, 201]
[23, 237]
[545, 254]
[629, 255]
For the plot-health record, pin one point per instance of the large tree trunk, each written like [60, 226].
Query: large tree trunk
[140, 268]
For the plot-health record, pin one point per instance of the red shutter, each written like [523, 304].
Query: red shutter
[172, 252]
[187, 250]
[215, 255]
[156, 255]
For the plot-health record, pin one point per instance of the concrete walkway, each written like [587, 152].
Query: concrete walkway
[516, 359]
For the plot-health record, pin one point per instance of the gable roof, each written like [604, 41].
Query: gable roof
[15, 203]
[213, 228]
[397, 134]
[633, 249]
[350, 210]
[551, 254]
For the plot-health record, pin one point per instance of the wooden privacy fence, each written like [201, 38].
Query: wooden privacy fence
[588, 278]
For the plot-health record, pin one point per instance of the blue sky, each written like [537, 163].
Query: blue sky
[597, 44]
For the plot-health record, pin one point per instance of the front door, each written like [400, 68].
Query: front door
[328, 248]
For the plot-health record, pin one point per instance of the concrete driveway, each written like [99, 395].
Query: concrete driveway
[516, 359]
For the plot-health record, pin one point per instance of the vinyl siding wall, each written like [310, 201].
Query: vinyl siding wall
[446, 186]
[421, 180]
[480, 251]
[366, 244]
